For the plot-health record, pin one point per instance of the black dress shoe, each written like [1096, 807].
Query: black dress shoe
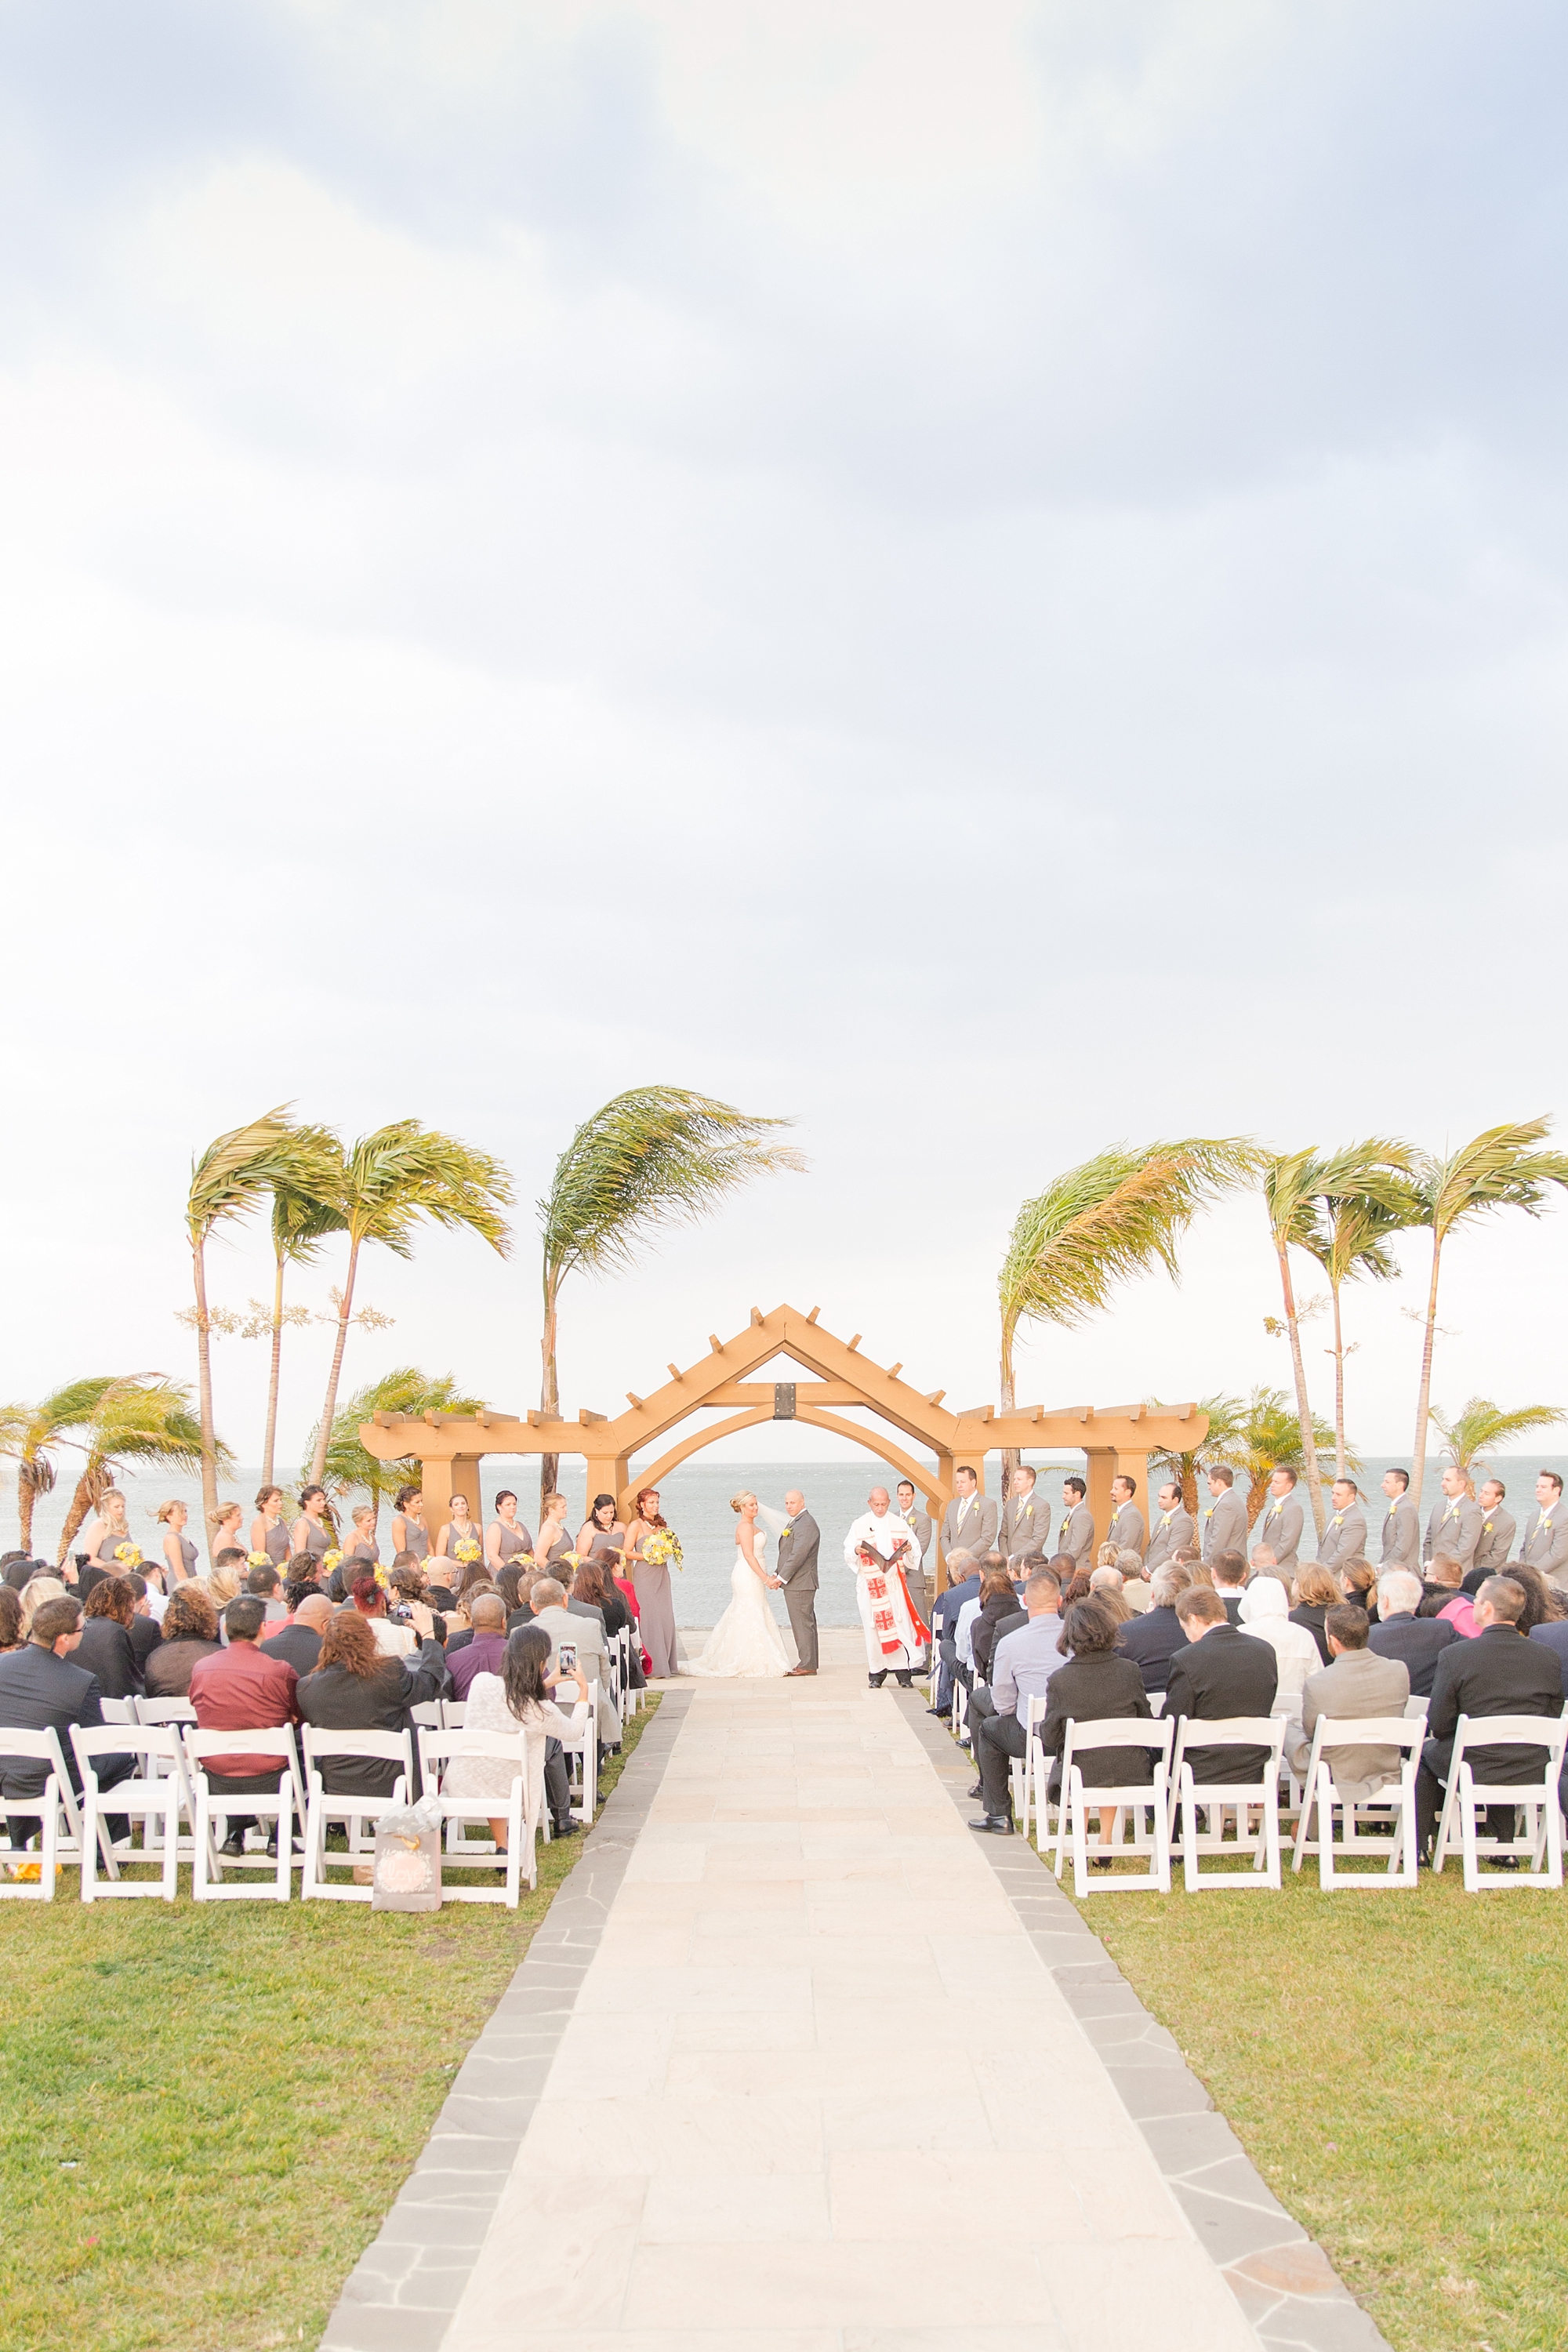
[977, 1791]
[903, 1682]
[996, 1824]
[944, 1712]
[233, 1845]
[566, 1829]
[876, 1681]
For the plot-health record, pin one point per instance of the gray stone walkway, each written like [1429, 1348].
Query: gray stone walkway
[796, 2063]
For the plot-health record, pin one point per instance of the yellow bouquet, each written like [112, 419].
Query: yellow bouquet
[259, 1559]
[662, 1549]
[330, 1561]
[128, 1555]
[466, 1552]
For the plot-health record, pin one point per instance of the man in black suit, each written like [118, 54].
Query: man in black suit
[1498, 1672]
[1220, 1673]
[1416, 1642]
[796, 1564]
[944, 1624]
[299, 1643]
[1153, 1640]
[40, 1690]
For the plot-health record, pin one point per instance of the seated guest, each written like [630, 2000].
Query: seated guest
[1096, 1685]
[964, 1584]
[41, 1689]
[507, 1579]
[356, 1686]
[483, 1654]
[145, 1629]
[1443, 1597]
[1229, 1571]
[1543, 1602]
[369, 1597]
[11, 1634]
[1497, 1672]
[436, 1595]
[1316, 1593]
[1135, 1575]
[1358, 1583]
[190, 1634]
[299, 1643]
[1022, 1665]
[521, 1611]
[1265, 1613]
[43, 1586]
[577, 1603]
[595, 1585]
[963, 1632]
[264, 1584]
[1221, 1672]
[550, 1610]
[1153, 1640]
[1107, 1587]
[1416, 1642]
[241, 1690]
[998, 1604]
[515, 1697]
[106, 1648]
[1358, 1682]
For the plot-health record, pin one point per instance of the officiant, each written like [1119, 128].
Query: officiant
[878, 1551]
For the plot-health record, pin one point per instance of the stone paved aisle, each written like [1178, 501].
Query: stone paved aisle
[809, 2077]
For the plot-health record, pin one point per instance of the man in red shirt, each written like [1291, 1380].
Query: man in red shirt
[240, 1689]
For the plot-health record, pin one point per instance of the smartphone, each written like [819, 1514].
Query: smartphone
[567, 1658]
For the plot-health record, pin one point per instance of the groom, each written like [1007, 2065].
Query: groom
[796, 1566]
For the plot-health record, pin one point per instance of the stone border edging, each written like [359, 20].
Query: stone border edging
[1282, 2279]
[401, 2293]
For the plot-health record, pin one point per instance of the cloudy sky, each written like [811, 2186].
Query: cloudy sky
[990, 579]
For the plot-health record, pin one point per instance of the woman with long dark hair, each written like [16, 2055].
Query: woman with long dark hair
[602, 1534]
[268, 1532]
[517, 1699]
[656, 1601]
[311, 1532]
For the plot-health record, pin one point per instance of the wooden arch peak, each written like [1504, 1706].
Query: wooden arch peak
[1113, 1438]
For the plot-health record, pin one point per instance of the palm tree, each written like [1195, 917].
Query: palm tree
[389, 1180]
[1480, 1427]
[31, 1435]
[231, 1178]
[1367, 1195]
[1221, 1447]
[306, 1208]
[1501, 1169]
[650, 1159]
[1291, 1184]
[1270, 1439]
[1115, 1216]
[143, 1418]
[350, 1469]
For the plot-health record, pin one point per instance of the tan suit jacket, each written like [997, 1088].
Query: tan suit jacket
[1077, 1537]
[593, 1661]
[1127, 1530]
[1358, 1682]
[969, 1525]
[1343, 1537]
[1224, 1523]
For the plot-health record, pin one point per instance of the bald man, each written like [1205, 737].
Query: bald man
[299, 1643]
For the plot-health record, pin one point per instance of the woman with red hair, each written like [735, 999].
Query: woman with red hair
[650, 1581]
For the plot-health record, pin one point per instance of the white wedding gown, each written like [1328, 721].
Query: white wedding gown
[746, 1642]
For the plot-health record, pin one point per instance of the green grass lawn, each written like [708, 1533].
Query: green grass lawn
[204, 2111]
[1397, 2065]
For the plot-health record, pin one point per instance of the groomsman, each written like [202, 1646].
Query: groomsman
[918, 1580]
[1545, 1544]
[1025, 1517]
[1345, 1538]
[1171, 1531]
[1280, 1529]
[1401, 1526]
[969, 1523]
[1498, 1529]
[1454, 1528]
[1224, 1518]
[1127, 1530]
[1075, 1541]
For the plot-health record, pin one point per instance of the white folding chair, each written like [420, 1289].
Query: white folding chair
[1542, 1839]
[118, 1710]
[160, 1713]
[1393, 1805]
[215, 1801]
[54, 1809]
[1030, 1774]
[582, 1754]
[427, 1716]
[1218, 1797]
[149, 1798]
[453, 1712]
[325, 1806]
[1134, 1797]
[438, 1750]
[634, 1698]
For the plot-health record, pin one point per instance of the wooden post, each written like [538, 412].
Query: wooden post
[1100, 1472]
[456, 1474]
[1136, 1467]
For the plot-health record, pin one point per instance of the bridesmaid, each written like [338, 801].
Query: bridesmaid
[111, 1528]
[459, 1528]
[656, 1602]
[554, 1540]
[268, 1532]
[363, 1544]
[409, 1532]
[179, 1552]
[311, 1535]
[506, 1538]
[226, 1523]
[602, 1535]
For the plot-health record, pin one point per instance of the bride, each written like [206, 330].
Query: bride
[746, 1642]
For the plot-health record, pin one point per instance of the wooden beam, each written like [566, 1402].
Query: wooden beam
[893, 1371]
[756, 1315]
[854, 1343]
[935, 1396]
[715, 1342]
[675, 1372]
[588, 1418]
[633, 1398]
[814, 1314]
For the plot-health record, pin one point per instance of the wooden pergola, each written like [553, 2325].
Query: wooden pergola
[1114, 1439]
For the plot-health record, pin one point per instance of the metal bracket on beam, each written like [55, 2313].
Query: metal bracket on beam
[784, 1400]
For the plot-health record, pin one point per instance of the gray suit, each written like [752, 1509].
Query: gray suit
[1026, 1524]
[921, 1579]
[1454, 1530]
[562, 1625]
[1401, 1536]
[1358, 1682]
[1279, 1527]
[1545, 1544]
[797, 1567]
[1172, 1531]
[1076, 1537]
[1344, 1536]
[1127, 1530]
[1225, 1525]
[969, 1525]
[1499, 1529]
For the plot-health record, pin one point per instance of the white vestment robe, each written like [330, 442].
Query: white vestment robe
[895, 1637]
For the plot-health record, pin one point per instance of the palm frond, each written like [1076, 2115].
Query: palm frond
[307, 1203]
[654, 1157]
[1291, 1185]
[406, 1170]
[349, 1467]
[1481, 1426]
[1367, 1193]
[1500, 1169]
[236, 1170]
[1115, 1216]
[147, 1418]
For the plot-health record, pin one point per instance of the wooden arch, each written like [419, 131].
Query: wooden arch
[450, 1446]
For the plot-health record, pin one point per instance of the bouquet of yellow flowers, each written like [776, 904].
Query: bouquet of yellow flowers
[128, 1555]
[662, 1549]
[330, 1561]
[466, 1552]
[259, 1559]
